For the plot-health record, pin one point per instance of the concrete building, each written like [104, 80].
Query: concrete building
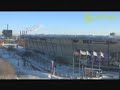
[7, 33]
[63, 47]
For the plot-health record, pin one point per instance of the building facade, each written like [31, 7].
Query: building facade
[7, 33]
[63, 47]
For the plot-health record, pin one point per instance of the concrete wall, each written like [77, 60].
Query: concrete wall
[63, 47]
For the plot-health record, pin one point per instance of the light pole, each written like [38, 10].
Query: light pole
[82, 72]
[85, 66]
[99, 63]
[92, 64]
[79, 65]
[73, 65]
[108, 42]
[52, 69]
[74, 47]
[119, 71]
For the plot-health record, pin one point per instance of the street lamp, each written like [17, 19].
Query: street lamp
[52, 69]
[119, 71]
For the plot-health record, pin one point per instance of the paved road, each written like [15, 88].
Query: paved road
[7, 71]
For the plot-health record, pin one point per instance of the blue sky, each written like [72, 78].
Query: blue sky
[60, 22]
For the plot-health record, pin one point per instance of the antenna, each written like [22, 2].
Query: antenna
[7, 26]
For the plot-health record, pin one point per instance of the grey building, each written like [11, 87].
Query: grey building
[7, 33]
[64, 46]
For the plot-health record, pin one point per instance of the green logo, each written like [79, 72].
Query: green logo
[88, 18]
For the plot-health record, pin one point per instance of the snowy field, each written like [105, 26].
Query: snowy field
[23, 72]
[28, 72]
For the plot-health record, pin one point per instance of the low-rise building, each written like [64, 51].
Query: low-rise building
[7, 33]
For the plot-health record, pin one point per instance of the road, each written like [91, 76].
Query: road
[7, 71]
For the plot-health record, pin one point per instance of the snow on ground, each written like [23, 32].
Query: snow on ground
[61, 69]
[110, 75]
[20, 68]
[28, 77]
[30, 73]
[67, 70]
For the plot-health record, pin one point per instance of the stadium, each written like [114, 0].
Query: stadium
[62, 47]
